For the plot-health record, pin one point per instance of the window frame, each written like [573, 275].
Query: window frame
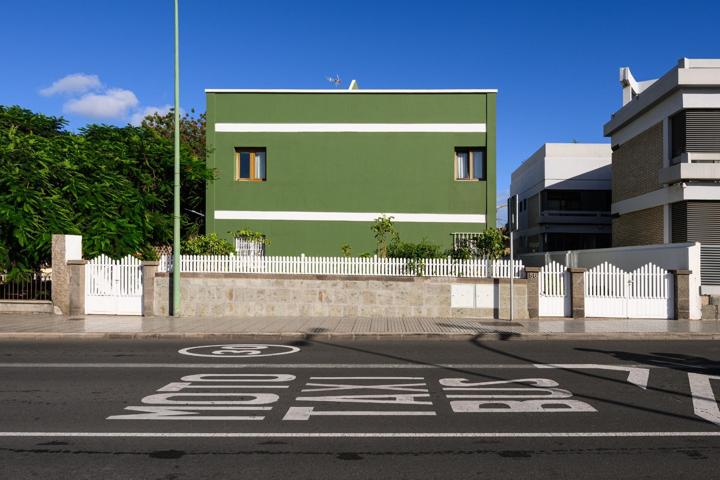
[471, 164]
[253, 151]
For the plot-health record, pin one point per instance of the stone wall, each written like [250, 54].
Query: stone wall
[328, 296]
[64, 248]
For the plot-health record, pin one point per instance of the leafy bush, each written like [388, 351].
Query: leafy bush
[346, 250]
[423, 249]
[251, 236]
[464, 251]
[490, 244]
[416, 253]
[209, 244]
[148, 253]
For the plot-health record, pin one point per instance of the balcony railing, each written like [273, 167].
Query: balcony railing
[575, 213]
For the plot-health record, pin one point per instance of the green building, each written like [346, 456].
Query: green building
[312, 168]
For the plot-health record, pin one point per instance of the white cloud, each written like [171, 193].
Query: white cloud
[137, 117]
[89, 98]
[114, 103]
[75, 83]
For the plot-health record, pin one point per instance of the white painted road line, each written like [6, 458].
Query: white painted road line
[473, 366]
[357, 434]
[703, 398]
[636, 375]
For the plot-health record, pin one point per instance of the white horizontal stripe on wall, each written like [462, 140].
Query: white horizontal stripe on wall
[349, 216]
[351, 127]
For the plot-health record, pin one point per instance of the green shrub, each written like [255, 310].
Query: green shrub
[148, 253]
[490, 244]
[423, 249]
[209, 244]
[251, 236]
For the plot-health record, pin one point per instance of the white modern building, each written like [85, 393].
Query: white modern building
[666, 161]
[564, 195]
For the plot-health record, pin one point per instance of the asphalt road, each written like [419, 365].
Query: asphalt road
[324, 410]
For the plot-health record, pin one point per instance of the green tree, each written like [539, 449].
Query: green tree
[111, 184]
[384, 232]
[490, 244]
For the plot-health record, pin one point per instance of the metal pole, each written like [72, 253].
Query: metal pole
[512, 274]
[176, 195]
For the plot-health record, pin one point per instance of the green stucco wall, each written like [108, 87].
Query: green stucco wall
[349, 172]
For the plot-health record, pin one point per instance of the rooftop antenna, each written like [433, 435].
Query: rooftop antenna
[335, 81]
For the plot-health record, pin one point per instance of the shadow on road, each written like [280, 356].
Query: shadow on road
[674, 361]
[671, 361]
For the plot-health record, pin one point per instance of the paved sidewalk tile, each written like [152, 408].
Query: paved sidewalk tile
[51, 326]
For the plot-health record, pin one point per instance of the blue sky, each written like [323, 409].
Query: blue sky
[555, 63]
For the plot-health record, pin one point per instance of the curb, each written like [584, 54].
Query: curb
[419, 336]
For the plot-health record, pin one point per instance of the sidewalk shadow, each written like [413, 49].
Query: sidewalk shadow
[308, 337]
[482, 332]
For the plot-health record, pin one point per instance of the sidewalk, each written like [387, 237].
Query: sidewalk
[97, 326]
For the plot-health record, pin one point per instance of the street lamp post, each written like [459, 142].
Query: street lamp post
[176, 194]
[512, 206]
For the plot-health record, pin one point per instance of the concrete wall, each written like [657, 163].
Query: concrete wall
[332, 296]
[341, 172]
[673, 256]
[25, 306]
[563, 166]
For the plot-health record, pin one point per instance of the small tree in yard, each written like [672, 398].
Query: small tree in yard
[384, 232]
[490, 244]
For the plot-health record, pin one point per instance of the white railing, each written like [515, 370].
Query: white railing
[463, 238]
[373, 266]
[248, 248]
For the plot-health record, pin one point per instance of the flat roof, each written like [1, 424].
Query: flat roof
[689, 73]
[338, 90]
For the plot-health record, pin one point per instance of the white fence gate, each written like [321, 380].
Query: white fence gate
[113, 287]
[646, 292]
[554, 291]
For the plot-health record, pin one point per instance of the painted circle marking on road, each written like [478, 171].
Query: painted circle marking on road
[239, 350]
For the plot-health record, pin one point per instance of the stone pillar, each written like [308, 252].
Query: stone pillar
[64, 248]
[76, 288]
[149, 269]
[682, 294]
[533, 293]
[577, 292]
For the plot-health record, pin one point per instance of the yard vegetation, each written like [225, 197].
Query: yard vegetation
[113, 185]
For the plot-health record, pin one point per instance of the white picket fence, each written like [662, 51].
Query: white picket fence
[554, 291]
[113, 287]
[646, 292]
[374, 266]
